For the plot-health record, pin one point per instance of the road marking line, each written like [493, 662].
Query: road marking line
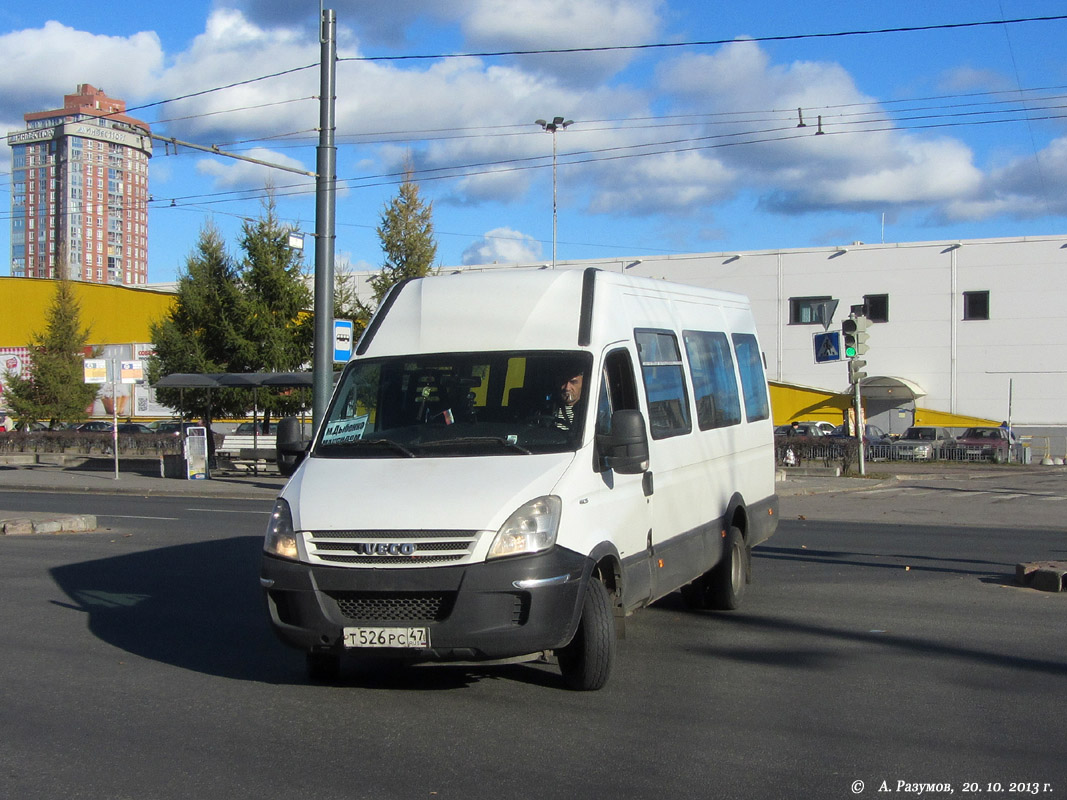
[131, 516]
[227, 511]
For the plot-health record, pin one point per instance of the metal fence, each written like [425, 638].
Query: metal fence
[795, 451]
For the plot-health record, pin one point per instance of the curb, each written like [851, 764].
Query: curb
[1045, 576]
[26, 526]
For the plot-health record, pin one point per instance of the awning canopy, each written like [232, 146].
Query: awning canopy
[232, 380]
[887, 386]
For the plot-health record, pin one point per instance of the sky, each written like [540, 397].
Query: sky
[684, 135]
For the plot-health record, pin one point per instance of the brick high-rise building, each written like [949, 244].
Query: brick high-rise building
[79, 192]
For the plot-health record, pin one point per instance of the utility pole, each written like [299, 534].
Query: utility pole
[854, 338]
[557, 124]
[325, 209]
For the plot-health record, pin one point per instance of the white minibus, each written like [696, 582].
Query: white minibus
[514, 461]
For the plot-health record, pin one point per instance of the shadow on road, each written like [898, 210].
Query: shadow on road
[197, 606]
[200, 607]
[829, 638]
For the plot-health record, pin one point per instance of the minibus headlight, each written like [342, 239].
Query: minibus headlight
[281, 538]
[531, 529]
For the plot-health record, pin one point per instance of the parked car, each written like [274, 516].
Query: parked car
[923, 443]
[877, 446]
[249, 428]
[873, 435]
[134, 427]
[826, 427]
[983, 444]
[94, 426]
[802, 429]
[174, 426]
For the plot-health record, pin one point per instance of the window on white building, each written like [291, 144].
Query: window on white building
[976, 305]
[806, 310]
[876, 307]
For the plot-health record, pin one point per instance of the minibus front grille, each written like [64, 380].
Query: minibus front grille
[394, 606]
[397, 549]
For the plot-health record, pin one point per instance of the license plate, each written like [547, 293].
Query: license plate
[387, 637]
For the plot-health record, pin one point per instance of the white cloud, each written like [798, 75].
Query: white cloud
[562, 24]
[1026, 187]
[231, 50]
[686, 182]
[233, 174]
[497, 25]
[857, 167]
[43, 64]
[502, 246]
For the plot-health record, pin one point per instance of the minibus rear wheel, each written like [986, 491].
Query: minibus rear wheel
[586, 662]
[726, 582]
[722, 587]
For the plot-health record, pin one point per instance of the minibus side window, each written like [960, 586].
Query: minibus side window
[661, 368]
[618, 389]
[714, 383]
[753, 382]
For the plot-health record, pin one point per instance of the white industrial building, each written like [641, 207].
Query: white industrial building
[972, 328]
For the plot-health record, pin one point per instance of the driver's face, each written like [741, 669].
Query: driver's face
[571, 390]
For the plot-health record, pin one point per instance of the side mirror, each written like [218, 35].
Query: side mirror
[625, 449]
[291, 446]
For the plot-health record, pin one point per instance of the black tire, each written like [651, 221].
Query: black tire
[727, 581]
[587, 661]
[723, 587]
[323, 667]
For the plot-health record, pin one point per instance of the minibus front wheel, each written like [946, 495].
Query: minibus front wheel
[586, 662]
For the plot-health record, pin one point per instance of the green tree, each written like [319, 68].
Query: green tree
[55, 389]
[346, 301]
[406, 234]
[205, 331]
[278, 301]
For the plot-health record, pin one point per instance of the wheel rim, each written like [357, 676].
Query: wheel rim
[737, 567]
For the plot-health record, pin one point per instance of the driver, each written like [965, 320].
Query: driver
[570, 392]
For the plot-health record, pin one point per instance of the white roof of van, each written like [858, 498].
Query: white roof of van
[536, 309]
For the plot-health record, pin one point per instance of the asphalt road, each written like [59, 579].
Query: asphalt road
[881, 640]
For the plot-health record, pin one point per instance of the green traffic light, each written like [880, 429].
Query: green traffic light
[850, 352]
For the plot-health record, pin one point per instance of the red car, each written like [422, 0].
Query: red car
[982, 444]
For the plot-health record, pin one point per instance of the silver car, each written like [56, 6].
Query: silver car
[922, 443]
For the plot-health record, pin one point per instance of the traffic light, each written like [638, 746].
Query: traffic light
[854, 335]
[855, 370]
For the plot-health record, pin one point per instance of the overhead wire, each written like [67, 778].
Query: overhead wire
[462, 171]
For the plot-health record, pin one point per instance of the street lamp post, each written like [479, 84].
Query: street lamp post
[557, 124]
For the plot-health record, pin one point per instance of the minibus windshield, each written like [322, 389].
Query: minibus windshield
[458, 404]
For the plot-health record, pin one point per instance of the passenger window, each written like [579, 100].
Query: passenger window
[661, 368]
[753, 382]
[714, 382]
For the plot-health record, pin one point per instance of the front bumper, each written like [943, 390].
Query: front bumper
[497, 609]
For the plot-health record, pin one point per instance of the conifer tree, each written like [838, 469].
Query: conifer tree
[406, 234]
[205, 331]
[278, 300]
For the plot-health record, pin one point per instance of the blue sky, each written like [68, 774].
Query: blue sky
[941, 134]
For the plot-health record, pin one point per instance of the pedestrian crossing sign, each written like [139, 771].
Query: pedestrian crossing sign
[827, 347]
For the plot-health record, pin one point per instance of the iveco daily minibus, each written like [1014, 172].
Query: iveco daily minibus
[513, 462]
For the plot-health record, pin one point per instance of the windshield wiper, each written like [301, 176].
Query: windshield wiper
[465, 440]
[387, 443]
